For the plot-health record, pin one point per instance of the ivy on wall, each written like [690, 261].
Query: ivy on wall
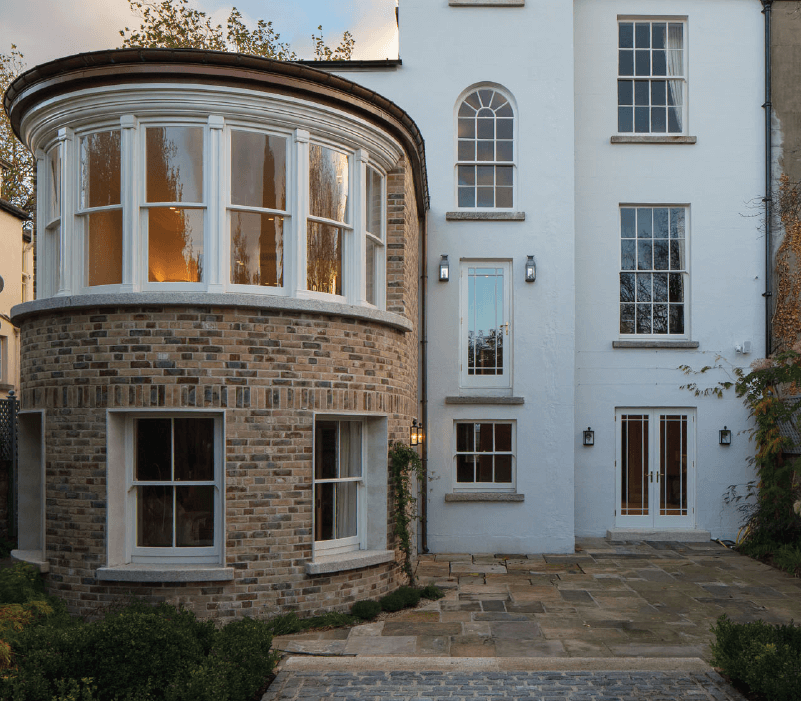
[406, 469]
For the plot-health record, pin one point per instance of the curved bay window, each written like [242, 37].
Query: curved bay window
[211, 205]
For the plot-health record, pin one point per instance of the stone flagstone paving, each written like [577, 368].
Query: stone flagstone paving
[607, 600]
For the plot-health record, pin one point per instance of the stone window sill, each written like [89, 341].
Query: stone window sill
[485, 496]
[653, 139]
[341, 562]
[485, 216]
[655, 344]
[165, 573]
[487, 3]
[32, 557]
[474, 399]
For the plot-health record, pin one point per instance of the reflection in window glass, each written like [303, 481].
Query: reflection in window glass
[257, 249]
[54, 181]
[174, 161]
[328, 184]
[104, 247]
[258, 170]
[485, 321]
[484, 453]
[175, 244]
[374, 247]
[653, 270]
[100, 169]
[324, 258]
[375, 209]
[174, 480]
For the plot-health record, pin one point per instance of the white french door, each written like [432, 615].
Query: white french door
[655, 466]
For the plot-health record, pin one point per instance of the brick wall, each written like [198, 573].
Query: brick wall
[269, 370]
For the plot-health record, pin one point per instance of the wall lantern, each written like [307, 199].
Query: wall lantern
[444, 273]
[589, 437]
[531, 270]
[725, 436]
[415, 433]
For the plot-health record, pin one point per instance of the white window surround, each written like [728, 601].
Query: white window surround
[656, 132]
[216, 207]
[121, 559]
[484, 447]
[473, 376]
[677, 252]
[370, 546]
[474, 210]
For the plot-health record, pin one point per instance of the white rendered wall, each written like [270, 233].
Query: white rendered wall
[529, 52]
[721, 179]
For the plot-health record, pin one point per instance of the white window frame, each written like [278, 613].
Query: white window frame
[506, 487]
[459, 162]
[173, 555]
[349, 544]
[650, 78]
[81, 265]
[485, 382]
[379, 239]
[684, 272]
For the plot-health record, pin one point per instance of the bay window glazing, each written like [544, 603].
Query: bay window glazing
[210, 204]
[174, 202]
[101, 206]
[329, 217]
[258, 208]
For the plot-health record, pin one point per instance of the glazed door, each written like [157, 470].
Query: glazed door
[655, 468]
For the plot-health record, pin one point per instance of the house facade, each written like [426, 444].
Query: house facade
[251, 280]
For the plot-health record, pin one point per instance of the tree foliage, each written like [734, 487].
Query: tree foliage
[175, 24]
[18, 181]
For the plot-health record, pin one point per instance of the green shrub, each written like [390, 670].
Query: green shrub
[404, 597]
[366, 610]
[767, 658]
[431, 592]
[141, 653]
[20, 584]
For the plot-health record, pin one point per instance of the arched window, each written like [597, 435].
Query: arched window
[486, 154]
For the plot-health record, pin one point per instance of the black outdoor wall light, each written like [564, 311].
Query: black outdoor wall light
[415, 433]
[444, 272]
[589, 437]
[725, 436]
[531, 269]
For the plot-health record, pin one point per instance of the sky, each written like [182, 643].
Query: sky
[44, 30]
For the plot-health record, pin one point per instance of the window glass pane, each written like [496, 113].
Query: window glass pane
[350, 449]
[346, 510]
[257, 249]
[658, 92]
[642, 122]
[464, 438]
[642, 63]
[503, 175]
[486, 97]
[467, 175]
[661, 222]
[660, 321]
[644, 222]
[628, 225]
[504, 151]
[464, 468]
[258, 170]
[625, 92]
[505, 128]
[676, 318]
[175, 244]
[153, 450]
[677, 255]
[174, 163]
[328, 183]
[643, 318]
[660, 287]
[625, 119]
[485, 151]
[467, 128]
[626, 318]
[658, 34]
[659, 63]
[369, 271]
[193, 442]
[503, 437]
[324, 511]
[503, 469]
[325, 450]
[467, 150]
[485, 175]
[627, 287]
[324, 258]
[676, 287]
[661, 255]
[485, 319]
[642, 90]
[154, 516]
[195, 516]
[644, 255]
[486, 128]
[473, 101]
[644, 287]
[485, 197]
[485, 473]
[467, 197]
[104, 248]
[375, 209]
[54, 180]
[658, 119]
[465, 110]
[503, 197]
[485, 439]
[100, 169]
[626, 35]
[625, 63]
[677, 223]
[642, 35]
[628, 254]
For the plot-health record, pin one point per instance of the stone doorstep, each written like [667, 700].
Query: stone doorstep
[678, 535]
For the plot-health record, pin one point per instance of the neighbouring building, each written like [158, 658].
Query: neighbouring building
[244, 294]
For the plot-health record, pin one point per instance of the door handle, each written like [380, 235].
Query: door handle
[506, 325]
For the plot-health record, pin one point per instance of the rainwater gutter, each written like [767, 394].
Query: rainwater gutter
[424, 383]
